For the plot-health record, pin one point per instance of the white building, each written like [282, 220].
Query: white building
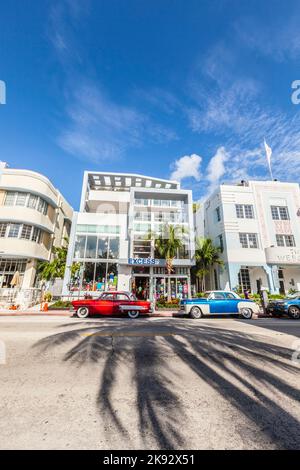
[257, 225]
[34, 217]
[110, 235]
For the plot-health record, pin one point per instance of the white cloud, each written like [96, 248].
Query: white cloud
[278, 39]
[187, 167]
[99, 129]
[216, 166]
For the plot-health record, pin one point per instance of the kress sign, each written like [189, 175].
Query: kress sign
[145, 261]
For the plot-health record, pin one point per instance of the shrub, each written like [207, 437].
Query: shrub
[61, 304]
[47, 297]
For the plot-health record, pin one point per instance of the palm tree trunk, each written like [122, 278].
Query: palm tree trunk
[169, 263]
[169, 289]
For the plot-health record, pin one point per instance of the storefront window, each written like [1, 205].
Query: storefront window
[114, 248]
[80, 246]
[102, 248]
[91, 245]
[88, 276]
[99, 276]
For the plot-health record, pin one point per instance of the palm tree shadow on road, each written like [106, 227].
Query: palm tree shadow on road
[246, 372]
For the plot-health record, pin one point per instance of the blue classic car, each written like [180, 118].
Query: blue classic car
[289, 306]
[219, 303]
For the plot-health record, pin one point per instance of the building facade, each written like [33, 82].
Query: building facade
[34, 217]
[112, 241]
[257, 226]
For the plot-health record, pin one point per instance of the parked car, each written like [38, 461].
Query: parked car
[289, 306]
[111, 303]
[219, 303]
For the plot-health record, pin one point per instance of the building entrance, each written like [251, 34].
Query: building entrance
[140, 287]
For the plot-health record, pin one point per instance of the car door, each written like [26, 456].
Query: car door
[120, 299]
[105, 304]
[217, 303]
[232, 303]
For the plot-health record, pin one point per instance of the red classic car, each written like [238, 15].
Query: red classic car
[111, 303]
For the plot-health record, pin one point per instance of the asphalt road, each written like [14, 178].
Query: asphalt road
[149, 384]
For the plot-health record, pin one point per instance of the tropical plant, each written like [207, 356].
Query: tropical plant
[167, 243]
[206, 256]
[49, 270]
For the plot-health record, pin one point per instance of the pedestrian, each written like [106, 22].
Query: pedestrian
[246, 294]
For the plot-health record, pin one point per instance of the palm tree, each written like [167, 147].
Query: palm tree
[206, 256]
[167, 244]
[49, 270]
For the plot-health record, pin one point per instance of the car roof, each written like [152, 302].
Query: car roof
[116, 292]
[227, 291]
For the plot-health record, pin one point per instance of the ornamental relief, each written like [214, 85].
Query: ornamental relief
[283, 227]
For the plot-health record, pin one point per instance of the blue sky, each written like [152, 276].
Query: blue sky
[167, 88]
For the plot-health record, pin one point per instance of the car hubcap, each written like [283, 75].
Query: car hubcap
[196, 312]
[246, 312]
[133, 314]
[294, 312]
[83, 312]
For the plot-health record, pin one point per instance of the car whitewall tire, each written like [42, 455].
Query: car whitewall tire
[195, 313]
[246, 313]
[83, 312]
[133, 314]
[294, 313]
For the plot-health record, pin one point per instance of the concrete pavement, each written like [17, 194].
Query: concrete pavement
[149, 383]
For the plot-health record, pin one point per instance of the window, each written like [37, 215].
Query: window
[91, 244]
[244, 240]
[108, 297]
[3, 227]
[26, 231]
[280, 213]
[289, 240]
[114, 248]
[218, 214]
[102, 248]
[13, 231]
[32, 201]
[248, 240]
[122, 297]
[10, 198]
[285, 240]
[244, 279]
[142, 216]
[36, 235]
[229, 295]
[248, 211]
[244, 211]
[221, 243]
[280, 240]
[42, 206]
[21, 198]
[218, 296]
[80, 246]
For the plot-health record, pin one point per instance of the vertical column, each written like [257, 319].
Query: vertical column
[233, 273]
[29, 275]
[69, 262]
[272, 275]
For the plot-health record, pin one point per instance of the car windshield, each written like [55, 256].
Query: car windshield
[133, 297]
[295, 296]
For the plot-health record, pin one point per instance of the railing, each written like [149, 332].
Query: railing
[22, 298]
